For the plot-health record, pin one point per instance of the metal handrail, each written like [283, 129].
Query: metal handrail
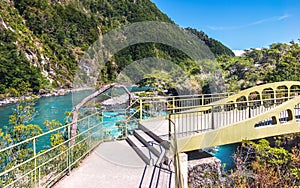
[195, 95]
[43, 134]
[131, 105]
[166, 102]
[234, 103]
[67, 156]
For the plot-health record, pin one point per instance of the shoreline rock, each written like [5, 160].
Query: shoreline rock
[43, 93]
[204, 172]
[9, 100]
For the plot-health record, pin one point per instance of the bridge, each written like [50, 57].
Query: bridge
[154, 133]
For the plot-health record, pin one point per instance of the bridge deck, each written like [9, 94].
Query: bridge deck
[111, 164]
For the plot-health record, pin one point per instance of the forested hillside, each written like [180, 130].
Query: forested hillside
[279, 62]
[42, 40]
[215, 46]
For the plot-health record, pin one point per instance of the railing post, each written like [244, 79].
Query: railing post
[101, 133]
[173, 105]
[89, 133]
[275, 98]
[202, 100]
[249, 107]
[170, 127]
[141, 109]
[126, 129]
[261, 99]
[39, 175]
[69, 150]
[35, 162]
[212, 118]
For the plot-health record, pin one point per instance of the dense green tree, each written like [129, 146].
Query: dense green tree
[18, 130]
[258, 164]
[279, 62]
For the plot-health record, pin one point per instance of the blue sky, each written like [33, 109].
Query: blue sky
[239, 24]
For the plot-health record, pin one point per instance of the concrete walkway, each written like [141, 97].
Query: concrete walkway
[111, 164]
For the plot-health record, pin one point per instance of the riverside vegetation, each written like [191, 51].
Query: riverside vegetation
[20, 129]
[41, 42]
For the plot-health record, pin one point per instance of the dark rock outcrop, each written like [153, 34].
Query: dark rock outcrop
[204, 172]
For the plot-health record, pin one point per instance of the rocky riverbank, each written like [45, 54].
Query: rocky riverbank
[206, 171]
[42, 93]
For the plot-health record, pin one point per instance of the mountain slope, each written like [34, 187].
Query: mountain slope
[42, 40]
[215, 46]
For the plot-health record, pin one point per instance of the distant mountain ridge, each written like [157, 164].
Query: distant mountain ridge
[215, 46]
[41, 41]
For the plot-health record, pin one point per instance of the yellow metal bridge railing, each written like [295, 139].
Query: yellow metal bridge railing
[258, 112]
[43, 166]
[151, 107]
[215, 116]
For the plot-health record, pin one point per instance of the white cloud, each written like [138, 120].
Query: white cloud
[258, 22]
[284, 17]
